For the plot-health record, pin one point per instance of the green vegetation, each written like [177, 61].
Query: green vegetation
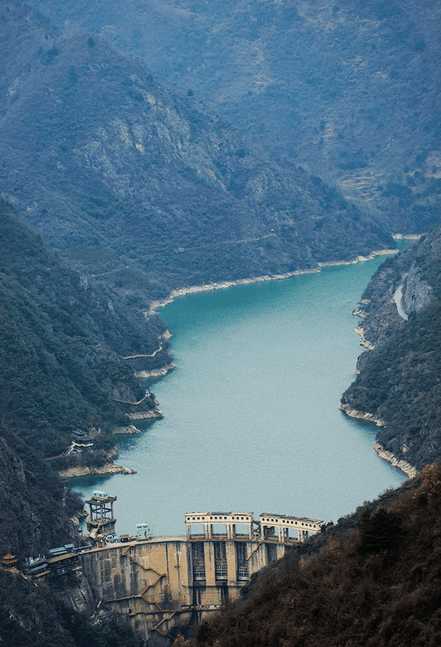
[61, 342]
[61, 347]
[350, 90]
[140, 190]
[143, 188]
[400, 380]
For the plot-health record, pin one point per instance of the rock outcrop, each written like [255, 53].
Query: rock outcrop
[398, 381]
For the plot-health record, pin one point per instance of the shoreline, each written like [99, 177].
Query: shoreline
[409, 470]
[129, 430]
[364, 343]
[364, 416]
[177, 293]
[108, 469]
[111, 468]
[407, 236]
[404, 466]
[152, 414]
[155, 372]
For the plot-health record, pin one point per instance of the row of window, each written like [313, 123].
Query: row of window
[217, 518]
[293, 523]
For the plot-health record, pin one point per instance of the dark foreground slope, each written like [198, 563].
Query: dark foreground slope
[31, 616]
[351, 90]
[400, 380]
[144, 188]
[373, 580]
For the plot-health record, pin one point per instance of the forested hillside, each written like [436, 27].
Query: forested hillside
[373, 580]
[143, 188]
[399, 381]
[146, 146]
[61, 342]
[348, 89]
[61, 350]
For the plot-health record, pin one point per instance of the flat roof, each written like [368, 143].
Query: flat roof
[291, 517]
[219, 514]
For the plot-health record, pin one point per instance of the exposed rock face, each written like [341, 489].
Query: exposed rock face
[416, 293]
[349, 90]
[400, 464]
[108, 469]
[144, 188]
[35, 615]
[399, 380]
[365, 416]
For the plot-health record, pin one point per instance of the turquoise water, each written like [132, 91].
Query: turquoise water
[251, 412]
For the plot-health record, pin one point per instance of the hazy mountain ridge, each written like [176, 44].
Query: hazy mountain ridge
[399, 380]
[142, 189]
[351, 91]
[98, 155]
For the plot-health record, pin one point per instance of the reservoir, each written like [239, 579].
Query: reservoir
[251, 419]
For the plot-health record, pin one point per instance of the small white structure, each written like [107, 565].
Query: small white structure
[284, 527]
[229, 521]
[228, 525]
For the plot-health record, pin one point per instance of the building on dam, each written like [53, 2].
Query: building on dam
[162, 583]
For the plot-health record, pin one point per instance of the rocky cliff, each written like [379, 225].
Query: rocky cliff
[33, 616]
[398, 380]
[349, 90]
[144, 188]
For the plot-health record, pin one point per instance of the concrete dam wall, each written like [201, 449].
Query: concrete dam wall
[167, 582]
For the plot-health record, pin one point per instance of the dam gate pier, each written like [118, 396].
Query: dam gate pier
[162, 583]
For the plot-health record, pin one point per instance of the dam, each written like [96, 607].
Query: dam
[164, 584]
[251, 422]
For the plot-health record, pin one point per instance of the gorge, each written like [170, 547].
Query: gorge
[259, 373]
[162, 163]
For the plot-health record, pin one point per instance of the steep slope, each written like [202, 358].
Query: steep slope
[34, 508]
[142, 188]
[30, 616]
[399, 381]
[372, 580]
[350, 90]
[61, 351]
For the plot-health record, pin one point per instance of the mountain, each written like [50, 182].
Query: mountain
[371, 580]
[141, 187]
[63, 377]
[351, 90]
[31, 616]
[61, 346]
[399, 380]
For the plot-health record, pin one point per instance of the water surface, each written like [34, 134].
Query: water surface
[251, 412]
